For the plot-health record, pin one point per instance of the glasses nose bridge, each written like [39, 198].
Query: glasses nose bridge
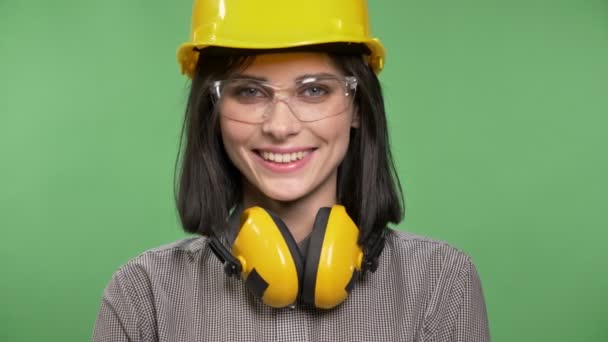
[284, 94]
[281, 95]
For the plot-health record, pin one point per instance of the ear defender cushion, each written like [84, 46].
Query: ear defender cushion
[313, 255]
[271, 262]
[334, 258]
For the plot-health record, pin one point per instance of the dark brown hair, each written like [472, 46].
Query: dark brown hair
[209, 185]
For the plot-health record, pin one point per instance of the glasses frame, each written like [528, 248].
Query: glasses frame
[349, 82]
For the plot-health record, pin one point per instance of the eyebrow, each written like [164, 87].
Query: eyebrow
[298, 79]
[249, 77]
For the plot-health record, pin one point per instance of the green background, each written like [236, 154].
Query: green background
[498, 122]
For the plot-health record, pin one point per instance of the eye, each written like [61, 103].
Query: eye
[247, 91]
[314, 90]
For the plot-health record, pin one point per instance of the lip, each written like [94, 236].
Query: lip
[275, 149]
[284, 167]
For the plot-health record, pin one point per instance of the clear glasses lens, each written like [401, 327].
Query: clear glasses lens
[310, 99]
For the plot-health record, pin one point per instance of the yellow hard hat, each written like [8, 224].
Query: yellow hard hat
[275, 24]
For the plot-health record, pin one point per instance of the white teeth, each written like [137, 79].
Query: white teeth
[283, 157]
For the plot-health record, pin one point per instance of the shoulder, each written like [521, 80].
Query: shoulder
[176, 259]
[181, 249]
[446, 283]
[432, 261]
[407, 244]
[151, 281]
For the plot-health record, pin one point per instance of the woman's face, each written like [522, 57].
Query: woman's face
[283, 158]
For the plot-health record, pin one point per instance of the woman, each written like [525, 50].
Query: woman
[287, 176]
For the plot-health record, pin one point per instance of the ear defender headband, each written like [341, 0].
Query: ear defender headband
[267, 258]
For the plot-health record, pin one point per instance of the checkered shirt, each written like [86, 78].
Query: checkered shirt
[423, 291]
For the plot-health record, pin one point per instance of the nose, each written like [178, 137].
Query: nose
[281, 122]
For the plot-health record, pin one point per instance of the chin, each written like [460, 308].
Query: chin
[290, 189]
[283, 195]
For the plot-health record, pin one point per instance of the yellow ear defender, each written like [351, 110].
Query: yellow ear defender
[267, 258]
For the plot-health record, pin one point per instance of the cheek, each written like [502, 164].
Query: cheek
[235, 136]
[337, 135]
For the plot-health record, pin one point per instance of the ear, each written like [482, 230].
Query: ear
[356, 120]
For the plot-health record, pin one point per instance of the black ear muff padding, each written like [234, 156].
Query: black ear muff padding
[313, 256]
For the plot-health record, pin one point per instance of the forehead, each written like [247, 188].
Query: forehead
[284, 67]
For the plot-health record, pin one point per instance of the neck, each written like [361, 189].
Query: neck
[299, 215]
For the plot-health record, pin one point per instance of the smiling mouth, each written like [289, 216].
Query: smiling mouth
[282, 158]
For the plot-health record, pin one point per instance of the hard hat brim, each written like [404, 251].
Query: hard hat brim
[188, 53]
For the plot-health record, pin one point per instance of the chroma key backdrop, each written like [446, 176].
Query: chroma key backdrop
[498, 119]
